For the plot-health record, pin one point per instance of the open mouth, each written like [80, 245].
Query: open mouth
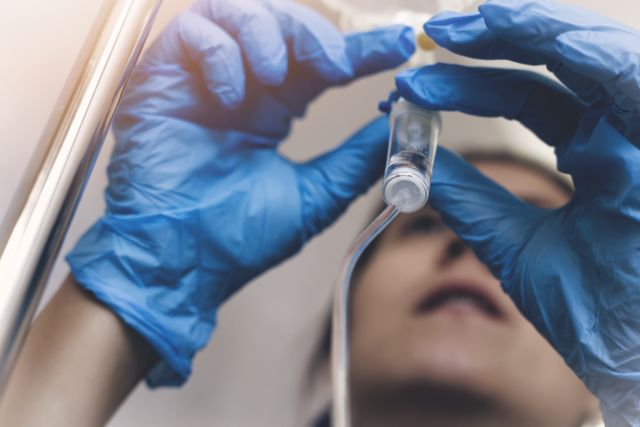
[457, 296]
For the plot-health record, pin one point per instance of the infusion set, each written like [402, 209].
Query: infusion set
[413, 140]
[363, 15]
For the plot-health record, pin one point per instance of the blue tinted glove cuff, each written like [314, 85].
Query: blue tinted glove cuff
[121, 268]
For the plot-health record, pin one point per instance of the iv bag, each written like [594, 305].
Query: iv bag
[363, 15]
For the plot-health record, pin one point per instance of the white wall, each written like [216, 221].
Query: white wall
[248, 375]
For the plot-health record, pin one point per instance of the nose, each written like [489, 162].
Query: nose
[453, 249]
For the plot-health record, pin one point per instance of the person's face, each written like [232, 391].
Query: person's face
[435, 341]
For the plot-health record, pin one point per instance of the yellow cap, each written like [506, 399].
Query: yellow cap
[425, 42]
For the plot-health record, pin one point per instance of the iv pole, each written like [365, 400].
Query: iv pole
[39, 217]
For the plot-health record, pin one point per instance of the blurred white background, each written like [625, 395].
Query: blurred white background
[250, 373]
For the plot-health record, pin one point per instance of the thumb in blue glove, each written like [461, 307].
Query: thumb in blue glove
[200, 199]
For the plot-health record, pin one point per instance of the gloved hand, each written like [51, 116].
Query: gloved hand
[574, 272]
[200, 201]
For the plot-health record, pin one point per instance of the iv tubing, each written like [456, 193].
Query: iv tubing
[341, 411]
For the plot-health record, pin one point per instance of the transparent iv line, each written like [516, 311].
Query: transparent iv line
[341, 414]
[413, 140]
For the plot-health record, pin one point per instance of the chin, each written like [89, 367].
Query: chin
[470, 365]
[426, 404]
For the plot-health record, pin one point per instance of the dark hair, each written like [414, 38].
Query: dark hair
[323, 347]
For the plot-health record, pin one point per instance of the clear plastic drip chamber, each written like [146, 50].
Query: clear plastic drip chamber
[412, 146]
[413, 141]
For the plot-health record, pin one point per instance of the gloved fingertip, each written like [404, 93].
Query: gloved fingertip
[438, 34]
[405, 85]
[406, 42]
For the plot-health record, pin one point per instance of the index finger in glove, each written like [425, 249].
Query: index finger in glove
[468, 35]
[545, 107]
[590, 44]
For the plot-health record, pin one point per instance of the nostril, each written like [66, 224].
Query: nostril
[455, 249]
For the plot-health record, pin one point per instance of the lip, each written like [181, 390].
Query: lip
[461, 297]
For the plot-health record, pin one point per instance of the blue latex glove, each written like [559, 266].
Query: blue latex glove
[574, 272]
[200, 201]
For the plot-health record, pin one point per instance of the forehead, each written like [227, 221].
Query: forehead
[526, 183]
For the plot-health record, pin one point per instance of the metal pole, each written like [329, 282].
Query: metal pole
[39, 217]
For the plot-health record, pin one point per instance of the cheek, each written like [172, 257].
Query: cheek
[394, 279]
[383, 301]
[551, 386]
[536, 353]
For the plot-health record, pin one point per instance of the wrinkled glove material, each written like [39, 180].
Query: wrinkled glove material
[200, 201]
[574, 272]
